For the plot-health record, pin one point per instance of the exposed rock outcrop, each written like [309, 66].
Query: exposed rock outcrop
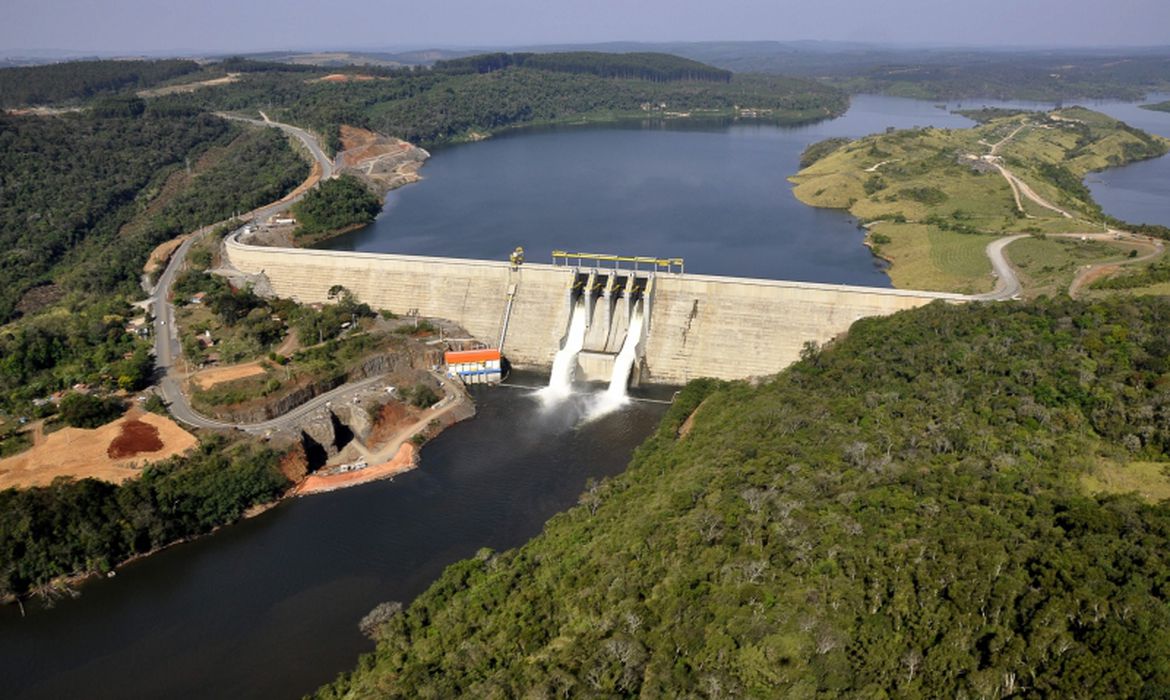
[384, 161]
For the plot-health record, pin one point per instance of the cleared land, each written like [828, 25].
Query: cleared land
[1149, 480]
[114, 452]
[207, 378]
[931, 197]
[1049, 265]
[189, 87]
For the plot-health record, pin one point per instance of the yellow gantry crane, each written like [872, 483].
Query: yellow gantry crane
[667, 264]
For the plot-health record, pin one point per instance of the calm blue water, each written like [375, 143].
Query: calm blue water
[1137, 193]
[718, 198]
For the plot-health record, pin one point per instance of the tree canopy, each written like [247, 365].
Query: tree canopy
[657, 67]
[901, 514]
[78, 80]
[337, 203]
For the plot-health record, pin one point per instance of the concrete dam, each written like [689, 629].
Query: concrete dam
[687, 326]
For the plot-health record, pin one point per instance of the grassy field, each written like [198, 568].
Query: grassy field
[1149, 480]
[1048, 265]
[936, 194]
[924, 257]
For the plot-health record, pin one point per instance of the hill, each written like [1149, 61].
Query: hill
[914, 512]
[657, 67]
[933, 197]
[80, 80]
[471, 98]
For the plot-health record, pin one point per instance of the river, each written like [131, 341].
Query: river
[269, 607]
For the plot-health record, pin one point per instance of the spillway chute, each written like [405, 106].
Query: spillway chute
[560, 381]
[616, 394]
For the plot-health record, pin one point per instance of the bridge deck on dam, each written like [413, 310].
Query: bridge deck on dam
[699, 325]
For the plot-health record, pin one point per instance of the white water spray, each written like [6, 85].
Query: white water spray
[560, 382]
[616, 395]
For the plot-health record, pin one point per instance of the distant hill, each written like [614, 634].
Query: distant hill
[79, 80]
[656, 67]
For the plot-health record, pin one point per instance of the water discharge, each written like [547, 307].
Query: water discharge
[560, 382]
[616, 395]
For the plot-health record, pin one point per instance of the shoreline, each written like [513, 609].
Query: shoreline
[838, 195]
[455, 407]
[404, 460]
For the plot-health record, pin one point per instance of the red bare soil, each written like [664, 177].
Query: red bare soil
[391, 418]
[136, 437]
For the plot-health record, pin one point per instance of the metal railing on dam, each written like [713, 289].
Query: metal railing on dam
[699, 325]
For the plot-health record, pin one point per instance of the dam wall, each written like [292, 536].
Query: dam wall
[699, 325]
[472, 293]
[733, 328]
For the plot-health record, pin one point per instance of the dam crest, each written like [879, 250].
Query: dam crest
[688, 325]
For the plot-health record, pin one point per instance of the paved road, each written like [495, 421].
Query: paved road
[166, 342]
[1007, 282]
[303, 136]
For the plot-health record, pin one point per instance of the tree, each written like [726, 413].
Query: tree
[88, 411]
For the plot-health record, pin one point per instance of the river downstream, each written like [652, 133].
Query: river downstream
[269, 607]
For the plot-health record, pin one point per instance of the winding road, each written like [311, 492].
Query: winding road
[166, 340]
[1007, 281]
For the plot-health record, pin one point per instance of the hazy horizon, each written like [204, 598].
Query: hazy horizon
[129, 27]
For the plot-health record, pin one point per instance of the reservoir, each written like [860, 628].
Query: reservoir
[717, 196]
[1138, 193]
[269, 607]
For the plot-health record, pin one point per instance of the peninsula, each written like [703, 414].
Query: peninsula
[933, 199]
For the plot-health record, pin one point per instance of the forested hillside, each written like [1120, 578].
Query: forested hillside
[79, 80]
[658, 67]
[75, 177]
[468, 98]
[905, 514]
[85, 199]
[71, 182]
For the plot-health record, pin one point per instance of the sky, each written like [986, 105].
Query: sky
[217, 26]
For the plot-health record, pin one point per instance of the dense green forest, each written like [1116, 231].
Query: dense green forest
[79, 80]
[77, 177]
[485, 94]
[657, 67]
[338, 203]
[901, 514]
[86, 199]
[86, 526]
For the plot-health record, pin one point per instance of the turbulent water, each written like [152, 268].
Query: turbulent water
[560, 381]
[616, 394]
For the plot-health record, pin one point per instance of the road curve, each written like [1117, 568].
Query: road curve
[166, 340]
[1007, 282]
[309, 140]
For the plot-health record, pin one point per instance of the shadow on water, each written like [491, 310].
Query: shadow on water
[269, 607]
